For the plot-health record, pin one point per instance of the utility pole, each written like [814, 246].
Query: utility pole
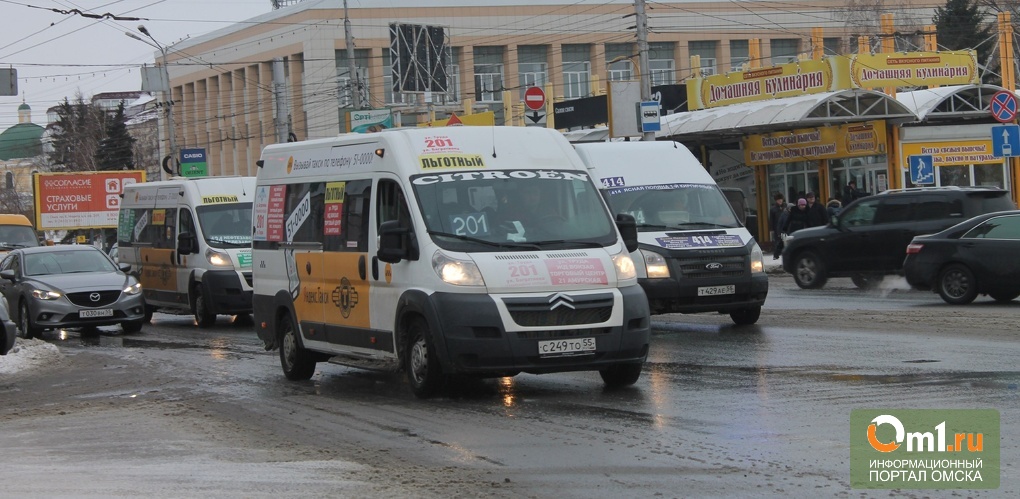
[642, 41]
[282, 107]
[171, 161]
[355, 81]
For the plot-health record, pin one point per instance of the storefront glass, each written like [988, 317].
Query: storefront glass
[869, 172]
[985, 175]
[794, 180]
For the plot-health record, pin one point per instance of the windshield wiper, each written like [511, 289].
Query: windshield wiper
[702, 224]
[495, 244]
[654, 226]
[231, 243]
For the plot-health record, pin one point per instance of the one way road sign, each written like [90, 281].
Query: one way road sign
[1006, 141]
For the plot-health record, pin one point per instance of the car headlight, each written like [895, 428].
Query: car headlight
[455, 271]
[218, 258]
[133, 289]
[757, 259]
[43, 294]
[624, 266]
[655, 265]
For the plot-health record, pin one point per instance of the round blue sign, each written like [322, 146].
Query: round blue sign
[1003, 106]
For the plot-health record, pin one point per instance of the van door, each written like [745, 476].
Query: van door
[302, 247]
[186, 225]
[158, 249]
[347, 255]
[389, 280]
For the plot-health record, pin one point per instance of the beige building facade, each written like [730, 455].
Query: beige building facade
[226, 102]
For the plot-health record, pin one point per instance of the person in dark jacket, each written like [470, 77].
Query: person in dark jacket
[776, 224]
[833, 207]
[817, 217]
[798, 217]
[850, 193]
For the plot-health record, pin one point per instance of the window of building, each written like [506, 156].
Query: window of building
[785, 50]
[344, 80]
[661, 63]
[488, 74]
[740, 54]
[623, 67]
[393, 96]
[532, 66]
[830, 46]
[795, 179]
[576, 71]
[706, 50]
[453, 75]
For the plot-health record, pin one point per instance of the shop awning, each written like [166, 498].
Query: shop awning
[725, 124]
[957, 102]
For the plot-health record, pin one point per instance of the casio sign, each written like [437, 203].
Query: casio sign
[713, 266]
[193, 155]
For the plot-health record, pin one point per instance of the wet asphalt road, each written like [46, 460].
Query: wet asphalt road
[719, 410]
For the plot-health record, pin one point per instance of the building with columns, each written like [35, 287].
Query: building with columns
[225, 98]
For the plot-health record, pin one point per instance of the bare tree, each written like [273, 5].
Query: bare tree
[864, 18]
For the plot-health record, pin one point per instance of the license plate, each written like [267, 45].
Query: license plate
[99, 312]
[716, 290]
[573, 346]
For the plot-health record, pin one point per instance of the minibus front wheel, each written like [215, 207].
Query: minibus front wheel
[422, 365]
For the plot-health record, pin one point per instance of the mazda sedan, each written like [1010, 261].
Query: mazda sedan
[975, 257]
[69, 286]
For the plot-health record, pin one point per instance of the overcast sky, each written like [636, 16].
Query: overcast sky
[58, 54]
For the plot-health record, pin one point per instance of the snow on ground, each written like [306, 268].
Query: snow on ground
[26, 354]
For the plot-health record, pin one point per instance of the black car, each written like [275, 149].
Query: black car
[975, 257]
[867, 239]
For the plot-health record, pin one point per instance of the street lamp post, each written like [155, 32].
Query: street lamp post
[167, 94]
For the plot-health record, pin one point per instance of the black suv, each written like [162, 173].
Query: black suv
[869, 238]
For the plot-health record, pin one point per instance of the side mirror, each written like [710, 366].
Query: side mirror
[628, 230]
[186, 243]
[124, 267]
[8, 274]
[396, 243]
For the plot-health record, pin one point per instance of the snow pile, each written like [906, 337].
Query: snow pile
[26, 354]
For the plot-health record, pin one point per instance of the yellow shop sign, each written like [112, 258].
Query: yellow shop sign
[809, 144]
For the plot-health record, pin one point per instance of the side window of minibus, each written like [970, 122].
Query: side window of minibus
[391, 204]
[357, 200]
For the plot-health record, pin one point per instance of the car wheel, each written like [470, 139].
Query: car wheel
[25, 323]
[298, 364]
[621, 374]
[867, 281]
[957, 285]
[147, 316]
[203, 316]
[422, 365]
[745, 316]
[132, 326]
[1004, 297]
[809, 270]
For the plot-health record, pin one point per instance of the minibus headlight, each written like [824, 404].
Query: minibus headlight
[218, 258]
[624, 266]
[757, 259]
[456, 271]
[655, 265]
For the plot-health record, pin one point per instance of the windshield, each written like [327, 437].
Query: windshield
[226, 225]
[673, 206]
[67, 262]
[513, 209]
[17, 236]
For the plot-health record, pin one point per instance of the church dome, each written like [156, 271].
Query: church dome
[23, 140]
[24, 107]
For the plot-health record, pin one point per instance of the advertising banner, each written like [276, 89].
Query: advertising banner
[371, 120]
[66, 201]
[913, 69]
[946, 153]
[811, 144]
[193, 163]
[785, 80]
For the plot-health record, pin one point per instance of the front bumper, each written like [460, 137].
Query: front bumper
[62, 313]
[226, 293]
[472, 338]
[669, 295]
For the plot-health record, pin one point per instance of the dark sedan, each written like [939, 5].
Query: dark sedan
[69, 286]
[975, 257]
